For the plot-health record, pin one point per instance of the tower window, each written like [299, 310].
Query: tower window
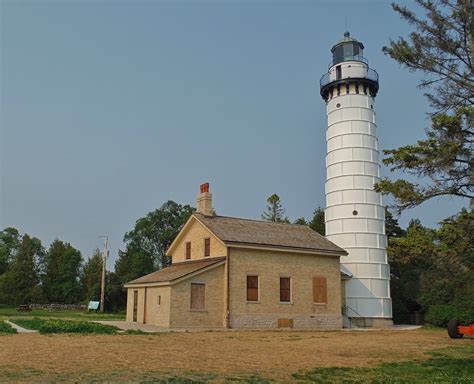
[355, 213]
[338, 72]
[338, 105]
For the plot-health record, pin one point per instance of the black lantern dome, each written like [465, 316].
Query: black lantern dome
[347, 49]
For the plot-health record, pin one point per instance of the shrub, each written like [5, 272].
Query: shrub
[34, 324]
[6, 329]
[441, 314]
[65, 326]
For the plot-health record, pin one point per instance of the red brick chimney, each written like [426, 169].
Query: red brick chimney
[204, 201]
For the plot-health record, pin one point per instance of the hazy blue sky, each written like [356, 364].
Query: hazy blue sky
[110, 108]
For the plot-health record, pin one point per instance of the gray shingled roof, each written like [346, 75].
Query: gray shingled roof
[232, 230]
[175, 271]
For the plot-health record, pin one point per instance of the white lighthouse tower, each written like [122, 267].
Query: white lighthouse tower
[355, 217]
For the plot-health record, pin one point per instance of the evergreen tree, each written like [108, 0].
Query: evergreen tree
[9, 244]
[275, 212]
[20, 284]
[301, 221]
[392, 228]
[441, 49]
[91, 276]
[317, 223]
[62, 265]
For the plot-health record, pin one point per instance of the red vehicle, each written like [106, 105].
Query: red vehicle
[456, 330]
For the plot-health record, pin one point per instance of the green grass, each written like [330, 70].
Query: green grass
[7, 312]
[48, 326]
[450, 365]
[6, 329]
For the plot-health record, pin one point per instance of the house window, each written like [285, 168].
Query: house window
[207, 247]
[159, 301]
[252, 288]
[320, 290]
[188, 250]
[198, 296]
[285, 290]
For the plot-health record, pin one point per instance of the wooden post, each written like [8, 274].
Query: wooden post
[104, 262]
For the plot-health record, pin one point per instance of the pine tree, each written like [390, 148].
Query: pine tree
[440, 48]
[275, 212]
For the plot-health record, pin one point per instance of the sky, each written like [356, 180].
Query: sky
[111, 108]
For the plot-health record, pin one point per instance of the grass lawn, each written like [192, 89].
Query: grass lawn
[9, 312]
[419, 356]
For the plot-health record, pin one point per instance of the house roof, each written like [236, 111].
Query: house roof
[176, 271]
[236, 231]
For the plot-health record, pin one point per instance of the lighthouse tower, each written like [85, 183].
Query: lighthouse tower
[354, 215]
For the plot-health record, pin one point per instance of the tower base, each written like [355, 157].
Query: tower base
[370, 322]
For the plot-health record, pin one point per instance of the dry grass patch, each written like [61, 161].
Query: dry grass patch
[244, 355]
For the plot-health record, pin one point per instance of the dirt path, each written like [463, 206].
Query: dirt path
[268, 354]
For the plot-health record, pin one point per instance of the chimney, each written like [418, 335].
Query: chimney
[204, 201]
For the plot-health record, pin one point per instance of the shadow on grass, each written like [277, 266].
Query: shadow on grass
[451, 365]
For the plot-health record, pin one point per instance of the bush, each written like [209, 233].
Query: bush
[65, 326]
[6, 329]
[441, 314]
[33, 324]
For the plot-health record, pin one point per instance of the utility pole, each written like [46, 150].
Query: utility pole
[105, 254]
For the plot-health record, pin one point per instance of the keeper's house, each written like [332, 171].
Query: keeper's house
[236, 273]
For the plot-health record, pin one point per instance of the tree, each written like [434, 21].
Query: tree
[20, 284]
[392, 228]
[300, 221]
[90, 277]
[275, 212]
[447, 287]
[9, 244]
[147, 243]
[440, 48]
[154, 233]
[62, 266]
[317, 223]
[408, 257]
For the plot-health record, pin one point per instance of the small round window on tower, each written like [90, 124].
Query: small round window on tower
[355, 213]
[338, 105]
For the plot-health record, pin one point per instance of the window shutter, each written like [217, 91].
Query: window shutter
[252, 288]
[207, 247]
[188, 250]
[285, 290]
[320, 290]
[198, 296]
